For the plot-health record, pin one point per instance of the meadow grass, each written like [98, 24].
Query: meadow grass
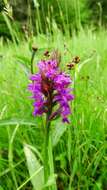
[80, 148]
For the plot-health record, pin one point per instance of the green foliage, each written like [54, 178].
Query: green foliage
[43, 16]
[99, 12]
[2, 5]
[3, 27]
[36, 171]
[79, 150]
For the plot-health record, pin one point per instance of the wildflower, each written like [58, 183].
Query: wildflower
[50, 90]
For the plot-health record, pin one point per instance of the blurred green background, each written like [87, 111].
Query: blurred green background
[44, 15]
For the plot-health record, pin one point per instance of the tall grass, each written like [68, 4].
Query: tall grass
[80, 148]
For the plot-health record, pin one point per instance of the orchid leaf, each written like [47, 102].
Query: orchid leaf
[58, 132]
[33, 166]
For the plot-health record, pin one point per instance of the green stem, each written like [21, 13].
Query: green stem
[51, 163]
[32, 59]
[46, 143]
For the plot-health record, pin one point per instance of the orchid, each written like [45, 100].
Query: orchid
[50, 87]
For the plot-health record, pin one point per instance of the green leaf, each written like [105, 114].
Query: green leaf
[51, 180]
[33, 166]
[58, 132]
[36, 4]
[34, 149]
[7, 122]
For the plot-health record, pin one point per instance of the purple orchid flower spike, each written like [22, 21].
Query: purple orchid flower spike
[50, 87]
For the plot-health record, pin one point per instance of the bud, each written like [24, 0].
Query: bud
[46, 53]
[34, 48]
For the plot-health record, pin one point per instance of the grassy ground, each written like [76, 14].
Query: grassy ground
[80, 149]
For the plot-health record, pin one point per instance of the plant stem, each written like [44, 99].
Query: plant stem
[46, 142]
[51, 163]
[32, 58]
